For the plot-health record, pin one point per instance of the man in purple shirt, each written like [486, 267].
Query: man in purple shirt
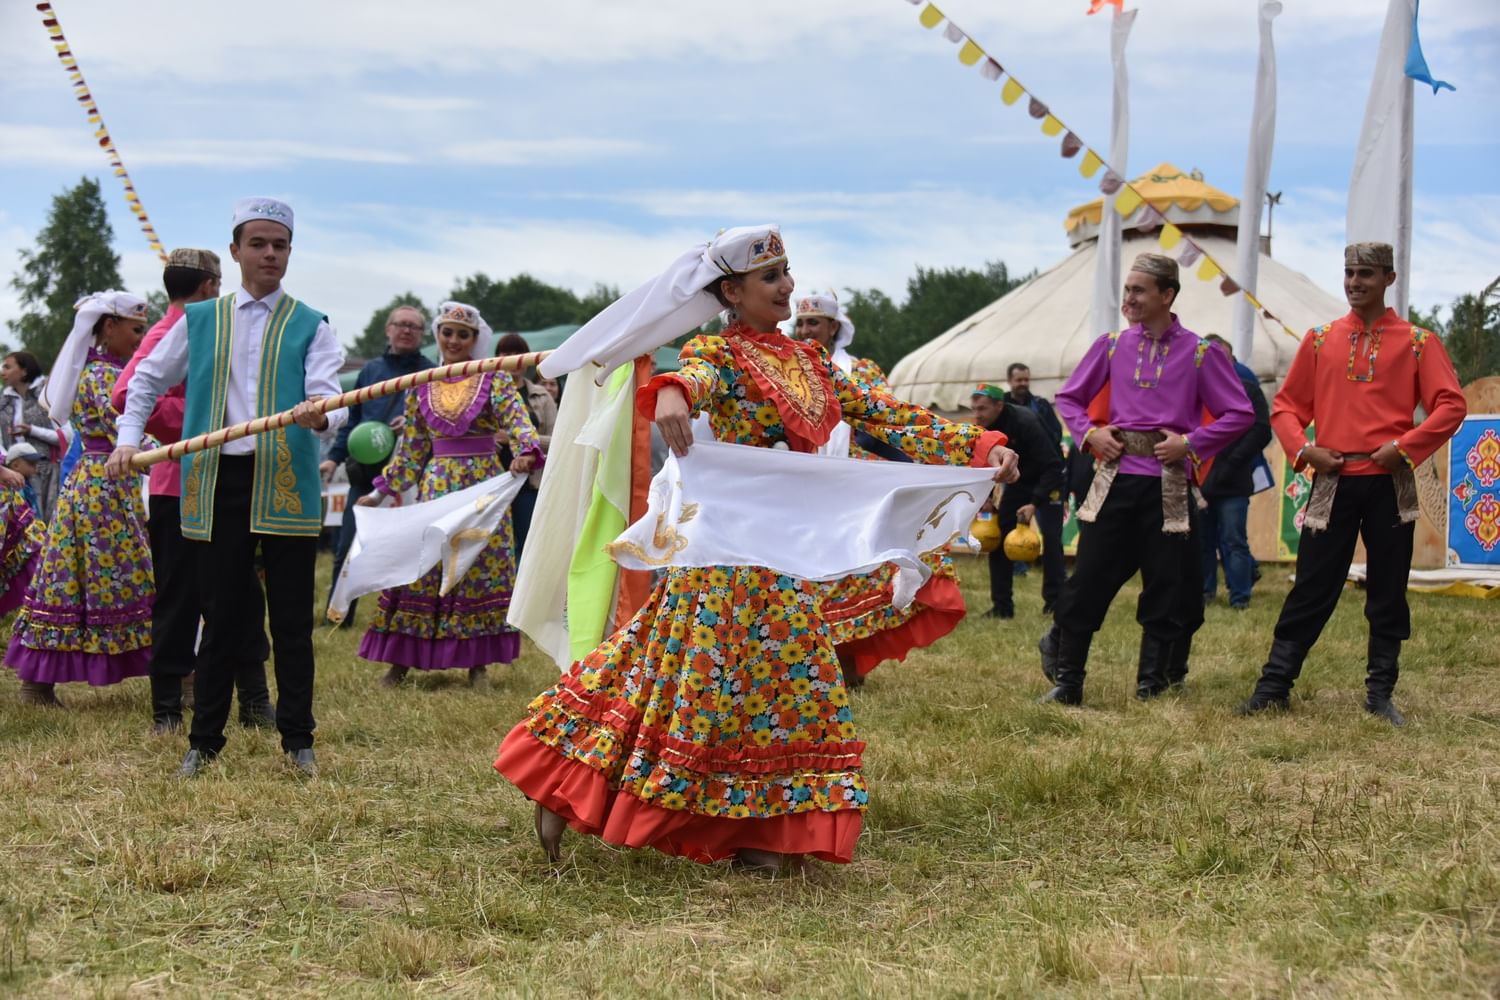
[1140, 512]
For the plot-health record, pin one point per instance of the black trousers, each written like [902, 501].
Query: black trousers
[234, 620]
[177, 608]
[1127, 537]
[1364, 507]
[1049, 524]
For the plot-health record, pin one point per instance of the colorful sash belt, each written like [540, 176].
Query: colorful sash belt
[1326, 486]
[93, 445]
[1175, 493]
[461, 447]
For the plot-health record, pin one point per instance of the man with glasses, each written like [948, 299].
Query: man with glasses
[403, 355]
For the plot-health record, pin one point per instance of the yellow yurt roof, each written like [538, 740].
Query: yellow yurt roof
[1171, 192]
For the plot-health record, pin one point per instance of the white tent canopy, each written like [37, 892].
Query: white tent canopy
[1044, 324]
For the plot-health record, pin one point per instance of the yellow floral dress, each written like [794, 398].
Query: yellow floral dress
[717, 719]
[87, 613]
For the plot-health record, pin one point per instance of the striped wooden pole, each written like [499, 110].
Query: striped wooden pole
[214, 439]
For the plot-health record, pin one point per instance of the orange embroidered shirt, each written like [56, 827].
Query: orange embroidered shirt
[1360, 389]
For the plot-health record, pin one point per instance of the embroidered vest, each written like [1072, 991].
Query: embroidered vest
[286, 494]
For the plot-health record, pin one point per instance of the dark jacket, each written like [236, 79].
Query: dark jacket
[1043, 411]
[386, 408]
[1040, 460]
[1230, 474]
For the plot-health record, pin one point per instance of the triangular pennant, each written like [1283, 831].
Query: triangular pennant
[1190, 253]
[1228, 286]
[1036, 109]
[953, 33]
[1090, 164]
[1151, 217]
[930, 17]
[1051, 126]
[1071, 144]
[1169, 236]
[991, 70]
[1127, 201]
[1110, 182]
[970, 53]
[1012, 91]
[1209, 269]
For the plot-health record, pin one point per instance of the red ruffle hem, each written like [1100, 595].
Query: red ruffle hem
[583, 797]
[942, 608]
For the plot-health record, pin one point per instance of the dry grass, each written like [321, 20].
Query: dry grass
[1010, 849]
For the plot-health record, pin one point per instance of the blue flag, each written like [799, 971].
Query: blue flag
[1416, 63]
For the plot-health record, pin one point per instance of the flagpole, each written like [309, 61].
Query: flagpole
[222, 436]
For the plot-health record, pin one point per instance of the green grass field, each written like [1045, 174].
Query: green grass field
[1168, 849]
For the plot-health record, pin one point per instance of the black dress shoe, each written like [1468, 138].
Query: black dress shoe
[304, 761]
[1000, 613]
[1258, 703]
[1063, 695]
[1048, 648]
[195, 761]
[1387, 710]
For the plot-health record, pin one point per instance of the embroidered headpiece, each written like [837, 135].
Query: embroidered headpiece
[1370, 255]
[747, 248]
[462, 314]
[823, 304]
[269, 209]
[61, 387]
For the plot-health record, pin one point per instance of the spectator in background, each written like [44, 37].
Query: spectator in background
[1224, 523]
[542, 406]
[1018, 377]
[24, 418]
[403, 355]
[22, 459]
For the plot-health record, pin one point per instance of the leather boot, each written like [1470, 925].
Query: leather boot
[1381, 671]
[1151, 668]
[1048, 648]
[1280, 672]
[256, 709]
[166, 704]
[1177, 662]
[1072, 661]
[34, 693]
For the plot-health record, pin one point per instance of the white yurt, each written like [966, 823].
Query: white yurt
[1044, 323]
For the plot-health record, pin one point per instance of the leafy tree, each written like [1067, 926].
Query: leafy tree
[520, 303]
[156, 306]
[1472, 336]
[594, 302]
[372, 342]
[72, 258]
[936, 299]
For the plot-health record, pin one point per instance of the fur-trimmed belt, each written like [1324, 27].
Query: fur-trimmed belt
[1175, 491]
[1326, 486]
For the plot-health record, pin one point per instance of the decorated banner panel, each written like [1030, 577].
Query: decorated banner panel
[1296, 487]
[1474, 493]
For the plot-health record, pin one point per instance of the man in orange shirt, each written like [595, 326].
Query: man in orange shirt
[1366, 449]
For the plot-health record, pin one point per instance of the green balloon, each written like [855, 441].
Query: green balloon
[371, 443]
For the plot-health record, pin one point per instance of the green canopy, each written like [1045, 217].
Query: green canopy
[538, 340]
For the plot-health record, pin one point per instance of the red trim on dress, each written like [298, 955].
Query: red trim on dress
[583, 797]
[987, 441]
[942, 609]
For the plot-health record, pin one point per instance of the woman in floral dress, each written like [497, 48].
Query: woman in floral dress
[449, 443]
[716, 724]
[87, 612]
[21, 536]
[866, 628]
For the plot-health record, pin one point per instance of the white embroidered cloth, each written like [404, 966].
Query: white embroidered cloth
[394, 546]
[811, 516]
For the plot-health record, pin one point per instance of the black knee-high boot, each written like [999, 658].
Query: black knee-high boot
[1071, 661]
[1283, 666]
[1381, 670]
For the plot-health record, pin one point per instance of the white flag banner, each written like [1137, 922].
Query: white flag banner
[1104, 312]
[395, 546]
[1257, 176]
[1380, 187]
[810, 516]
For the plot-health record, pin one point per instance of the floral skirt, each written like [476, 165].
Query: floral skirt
[416, 626]
[24, 537]
[715, 720]
[87, 612]
[868, 629]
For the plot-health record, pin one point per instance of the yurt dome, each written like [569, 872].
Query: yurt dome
[1044, 324]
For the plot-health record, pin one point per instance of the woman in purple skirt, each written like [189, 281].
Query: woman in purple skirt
[449, 443]
[87, 612]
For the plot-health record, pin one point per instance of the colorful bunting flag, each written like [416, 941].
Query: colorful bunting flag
[930, 17]
[101, 132]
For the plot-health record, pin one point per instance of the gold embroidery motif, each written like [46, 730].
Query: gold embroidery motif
[665, 538]
[797, 382]
[285, 498]
[460, 537]
[935, 517]
[193, 489]
[450, 400]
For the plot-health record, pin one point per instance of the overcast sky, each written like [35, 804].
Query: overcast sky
[593, 141]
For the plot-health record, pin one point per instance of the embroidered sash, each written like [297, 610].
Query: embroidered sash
[1326, 485]
[1175, 490]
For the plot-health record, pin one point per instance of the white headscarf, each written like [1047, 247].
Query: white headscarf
[826, 304]
[667, 306]
[62, 386]
[460, 314]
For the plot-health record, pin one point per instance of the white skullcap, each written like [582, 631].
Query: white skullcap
[826, 304]
[251, 209]
[62, 383]
[669, 305]
[461, 314]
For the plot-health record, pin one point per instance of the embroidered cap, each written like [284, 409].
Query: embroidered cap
[199, 260]
[992, 391]
[824, 304]
[464, 315]
[1370, 255]
[1158, 265]
[251, 209]
[746, 248]
[61, 387]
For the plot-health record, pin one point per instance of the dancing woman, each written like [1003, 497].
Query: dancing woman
[448, 443]
[716, 724]
[87, 613]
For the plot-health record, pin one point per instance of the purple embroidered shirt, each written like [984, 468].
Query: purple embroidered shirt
[1193, 378]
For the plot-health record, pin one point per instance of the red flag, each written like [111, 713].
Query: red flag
[1095, 6]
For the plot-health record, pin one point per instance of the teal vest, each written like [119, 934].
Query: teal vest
[287, 497]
